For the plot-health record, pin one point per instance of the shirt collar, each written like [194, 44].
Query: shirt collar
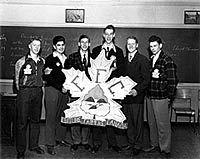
[56, 54]
[37, 58]
[156, 55]
[110, 46]
[83, 52]
[132, 53]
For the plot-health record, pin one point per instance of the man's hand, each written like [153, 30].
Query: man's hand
[113, 68]
[133, 92]
[64, 90]
[47, 71]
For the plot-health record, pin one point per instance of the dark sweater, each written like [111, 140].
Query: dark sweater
[56, 78]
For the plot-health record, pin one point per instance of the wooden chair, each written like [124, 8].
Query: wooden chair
[182, 105]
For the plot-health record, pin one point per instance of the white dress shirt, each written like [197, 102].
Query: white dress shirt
[131, 55]
[62, 57]
[86, 55]
[155, 58]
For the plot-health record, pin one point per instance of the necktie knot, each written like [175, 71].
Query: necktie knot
[107, 52]
[107, 49]
[84, 59]
[130, 57]
[84, 62]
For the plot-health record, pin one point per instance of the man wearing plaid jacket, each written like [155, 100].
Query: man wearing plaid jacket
[161, 91]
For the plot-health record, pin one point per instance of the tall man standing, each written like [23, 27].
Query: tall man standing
[111, 50]
[137, 68]
[161, 91]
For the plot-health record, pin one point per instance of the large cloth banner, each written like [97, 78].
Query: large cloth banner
[96, 103]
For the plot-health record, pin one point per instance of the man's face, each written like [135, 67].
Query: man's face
[59, 47]
[108, 35]
[35, 46]
[84, 44]
[155, 47]
[131, 45]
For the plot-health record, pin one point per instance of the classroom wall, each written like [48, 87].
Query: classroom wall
[133, 13]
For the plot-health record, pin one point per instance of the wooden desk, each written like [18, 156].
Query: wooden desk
[8, 115]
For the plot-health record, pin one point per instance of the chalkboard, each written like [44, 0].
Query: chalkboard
[181, 44]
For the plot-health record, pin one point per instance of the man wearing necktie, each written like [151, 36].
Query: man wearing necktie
[130, 56]
[137, 68]
[111, 50]
[84, 61]
[107, 52]
[80, 60]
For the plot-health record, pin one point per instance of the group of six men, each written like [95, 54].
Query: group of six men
[156, 80]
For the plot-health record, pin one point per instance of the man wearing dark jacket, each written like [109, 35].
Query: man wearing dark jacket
[28, 78]
[80, 60]
[137, 68]
[111, 51]
[56, 96]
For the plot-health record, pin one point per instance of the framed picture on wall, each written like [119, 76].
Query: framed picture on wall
[74, 15]
[192, 17]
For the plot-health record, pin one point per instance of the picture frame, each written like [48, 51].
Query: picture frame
[192, 17]
[74, 15]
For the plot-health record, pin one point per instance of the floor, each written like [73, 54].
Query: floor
[185, 144]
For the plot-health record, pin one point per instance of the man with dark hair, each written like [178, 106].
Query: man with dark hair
[80, 60]
[28, 78]
[161, 91]
[111, 50]
[56, 96]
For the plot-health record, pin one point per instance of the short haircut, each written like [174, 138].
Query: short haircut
[155, 38]
[82, 37]
[56, 39]
[109, 27]
[34, 38]
[132, 37]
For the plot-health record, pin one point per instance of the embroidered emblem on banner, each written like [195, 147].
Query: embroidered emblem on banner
[96, 103]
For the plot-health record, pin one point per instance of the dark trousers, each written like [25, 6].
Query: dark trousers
[135, 117]
[55, 104]
[80, 133]
[97, 135]
[29, 105]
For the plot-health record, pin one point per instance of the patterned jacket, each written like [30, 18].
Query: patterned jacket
[164, 86]
[28, 73]
[74, 60]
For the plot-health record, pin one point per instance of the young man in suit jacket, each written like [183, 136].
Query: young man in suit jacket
[111, 50]
[80, 60]
[137, 68]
